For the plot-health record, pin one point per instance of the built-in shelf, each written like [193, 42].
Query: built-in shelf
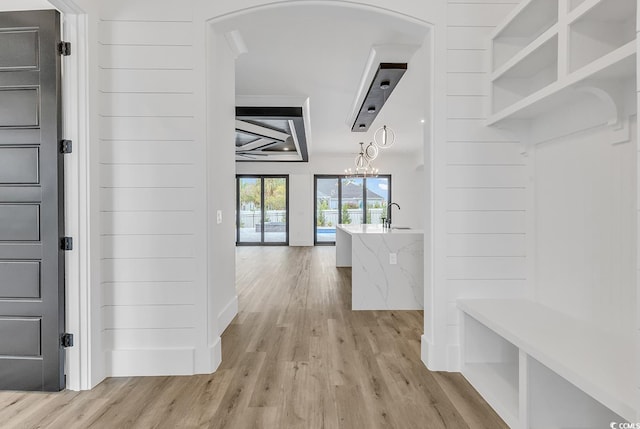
[531, 77]
[615, 66]
[563, 355]
[490, 363]
[497, 383]
[556, 403]
[536, 70]
[573, 4]
[602, 29]
[525, 24]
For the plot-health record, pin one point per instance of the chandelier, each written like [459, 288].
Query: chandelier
[383, 138]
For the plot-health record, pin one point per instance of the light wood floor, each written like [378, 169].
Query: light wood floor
[296, 356]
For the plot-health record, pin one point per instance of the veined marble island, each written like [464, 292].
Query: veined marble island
[376, 282]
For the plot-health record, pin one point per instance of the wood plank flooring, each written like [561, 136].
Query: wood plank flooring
[296, 356]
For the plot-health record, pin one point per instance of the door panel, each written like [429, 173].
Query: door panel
[250, 210]
[31, 209]
[20, 336]
[378, 191]
[327, 194]
[20, 279]
[18, 49]
[275, 209]
[19, 107]
[19, 222]
[352, 200]
[19, 165]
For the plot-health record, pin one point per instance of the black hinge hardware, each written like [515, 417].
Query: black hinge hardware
[66, 340]
[66, 146]
[64, 49]
[66, 243]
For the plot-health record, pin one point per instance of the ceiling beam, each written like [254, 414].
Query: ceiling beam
[260, 131]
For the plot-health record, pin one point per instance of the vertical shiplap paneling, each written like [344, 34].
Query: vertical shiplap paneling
[148, 183]
[486, 180]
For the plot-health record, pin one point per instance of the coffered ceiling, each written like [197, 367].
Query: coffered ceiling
[320, 52]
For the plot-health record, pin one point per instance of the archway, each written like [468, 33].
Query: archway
[220, 161]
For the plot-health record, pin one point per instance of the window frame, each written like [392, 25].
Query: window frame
[340, 178]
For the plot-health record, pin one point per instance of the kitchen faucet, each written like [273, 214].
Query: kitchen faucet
[389, 213]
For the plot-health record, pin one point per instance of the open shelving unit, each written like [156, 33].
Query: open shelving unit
[539, 368]
[526, 23]
[547, 48]
[491, 365]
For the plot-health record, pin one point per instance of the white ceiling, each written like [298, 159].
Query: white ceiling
[320, 52]
[8, 5]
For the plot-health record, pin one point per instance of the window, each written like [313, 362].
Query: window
[341, 199]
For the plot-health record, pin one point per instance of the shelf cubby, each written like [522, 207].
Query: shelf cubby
[617, 66]
[528, 79]
[527, 22]
[569, 370]
[573, 4]
[531, 73]
[600, 30]
[554, 403]
[490, 363]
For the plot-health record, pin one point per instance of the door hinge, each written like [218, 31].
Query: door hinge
[64, 49]
[66, 340]
[66, 146]
[66, 243]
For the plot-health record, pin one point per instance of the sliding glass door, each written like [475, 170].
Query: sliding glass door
[262, 210]
[327, 209]
[348, 200]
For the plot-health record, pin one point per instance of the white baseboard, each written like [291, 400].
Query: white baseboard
[425, 346]
[431, 359]
[151, 362]
[453, 358]
[215, 353]
[227, 314]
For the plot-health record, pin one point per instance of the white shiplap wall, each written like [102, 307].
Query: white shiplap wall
[486, 177]
[149, 212]
[638, 220]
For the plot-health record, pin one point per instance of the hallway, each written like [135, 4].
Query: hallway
[296, 356]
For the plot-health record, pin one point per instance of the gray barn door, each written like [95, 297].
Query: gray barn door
[31, 203]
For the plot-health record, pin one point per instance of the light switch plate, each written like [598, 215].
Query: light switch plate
[393, 258]
[219, 216]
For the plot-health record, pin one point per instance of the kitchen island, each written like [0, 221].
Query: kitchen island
[387, 266]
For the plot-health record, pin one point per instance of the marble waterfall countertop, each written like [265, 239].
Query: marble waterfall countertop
[377, 229]
[387, 266]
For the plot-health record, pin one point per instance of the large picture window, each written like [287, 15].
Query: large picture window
[262, 210]
[341, 199]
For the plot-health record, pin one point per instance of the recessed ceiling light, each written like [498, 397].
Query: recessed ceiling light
[363, 126]
[286, 148]
[384, 81]
[422, 121]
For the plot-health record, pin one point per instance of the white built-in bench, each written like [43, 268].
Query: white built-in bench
[539, 368]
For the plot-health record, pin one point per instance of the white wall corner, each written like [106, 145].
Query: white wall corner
[227, 314]
[453, 358]
[215, 355]
[430, 356]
